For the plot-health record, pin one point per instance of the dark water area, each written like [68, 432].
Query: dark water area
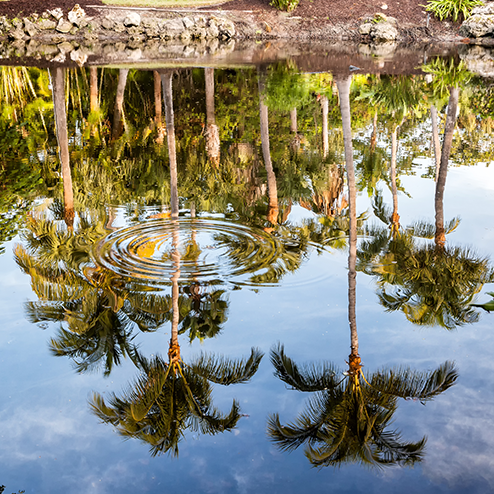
[254, 278]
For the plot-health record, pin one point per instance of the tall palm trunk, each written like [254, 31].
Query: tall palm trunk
[158, 105]
[435, 139]
[93, 89]
[295, 142]
[440, 238]
[325, 127]
[58, 84]
[273, 207]
[373, 139]
[344, 96]
[212, 132]
[395, 218]
[166, 81]
[118, 112]
[157, 98]
[174, 350]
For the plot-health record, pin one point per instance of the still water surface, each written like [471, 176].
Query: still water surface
[188, 264]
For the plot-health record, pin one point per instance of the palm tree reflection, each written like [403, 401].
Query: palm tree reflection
[348, 418]
[171, 397]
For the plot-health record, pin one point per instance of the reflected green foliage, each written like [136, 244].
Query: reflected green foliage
[99, 330]
[172, 397]
[286, 87]
[446, 73]
[206, 312]
[488, 306]
[348, 418]
[428, 284]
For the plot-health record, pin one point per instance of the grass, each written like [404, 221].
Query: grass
[162, 3]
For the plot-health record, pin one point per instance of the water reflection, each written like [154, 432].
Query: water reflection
[171, 397]
[247, 192]
[348, 419]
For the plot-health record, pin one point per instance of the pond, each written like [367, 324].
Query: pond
[246, 279]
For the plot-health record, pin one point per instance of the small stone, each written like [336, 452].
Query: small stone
[46, 24]
[384, 6]
[57, 13]
[30, 28]
[188, 23]
[133, 19]
[212, 31]
[200, 21]
[79, 57]
[77, 15]
[107, 23]
[226, 29]
[365, 28]
[173, 26]
[133, 54]
[59, 58]
[64, 26]
[17, 34]
[118, 28]
[65, 47]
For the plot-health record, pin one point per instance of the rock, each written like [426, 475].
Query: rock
[59, 58]
[200, 21]
[366, 28]
[133, 19]
[188, 23]
[118, 28]
[79, 57]
[45, 24]
[57, 13]
[30, 28]
[186, 36]
[107, 23]
[226, 28]
[77, 16]
[212, 29]
[380, 28]
[199, 33]
[384, 31]
[487, 9]
[173, 27]
[65, 47]
[133, 55]
[17, 34]
[478, 59]
[64, 26]
[480, 23]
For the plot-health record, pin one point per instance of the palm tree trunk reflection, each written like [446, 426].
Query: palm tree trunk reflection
[58, 84]
[166, 81]
[118, 113]
[273, 207]
[440, 237]
[343, 85]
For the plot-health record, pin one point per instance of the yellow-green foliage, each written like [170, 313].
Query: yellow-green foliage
[454, 9]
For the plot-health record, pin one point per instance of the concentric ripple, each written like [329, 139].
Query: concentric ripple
[193, 250]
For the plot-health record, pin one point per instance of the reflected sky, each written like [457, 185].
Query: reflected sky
[51, 442]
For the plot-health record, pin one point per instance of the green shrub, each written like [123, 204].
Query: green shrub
[288, 5]
[452, 8]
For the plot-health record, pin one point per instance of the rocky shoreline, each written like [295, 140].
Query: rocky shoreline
[139, 34]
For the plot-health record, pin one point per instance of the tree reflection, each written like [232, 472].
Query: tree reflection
[171, 397]
[348, 418]
[430, 284]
